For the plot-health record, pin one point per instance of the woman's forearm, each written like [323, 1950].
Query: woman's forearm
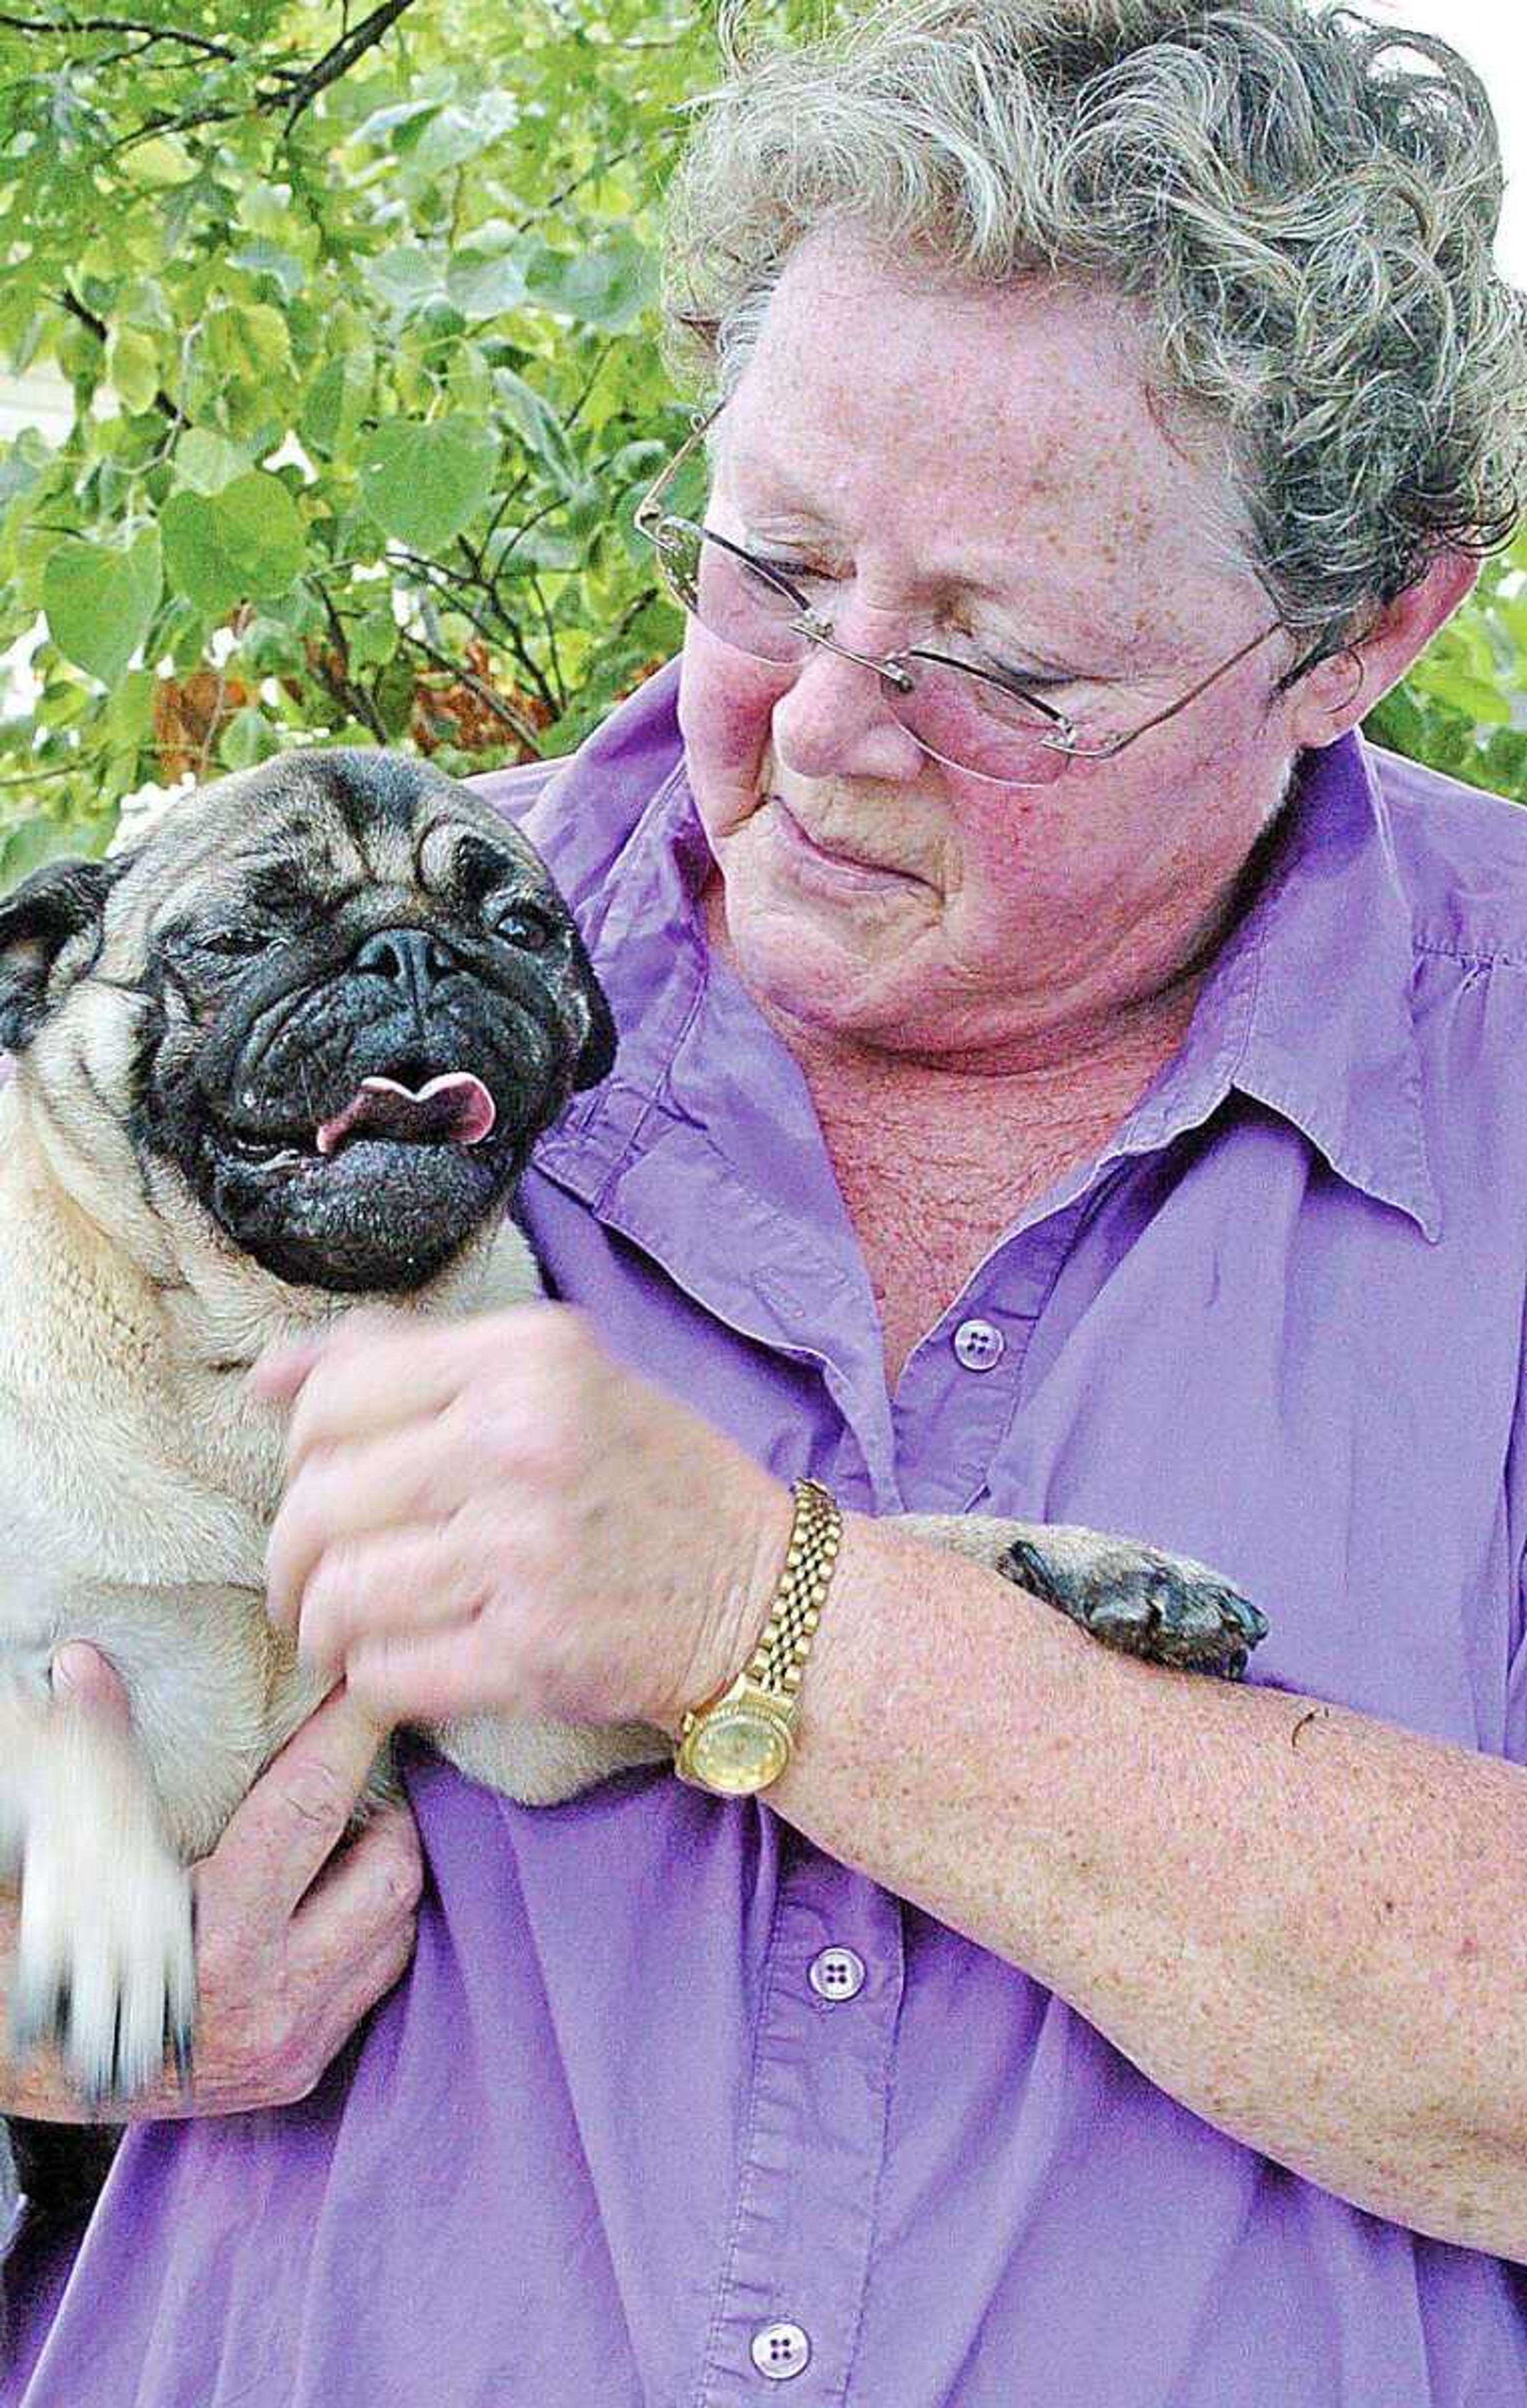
[1308, 1925]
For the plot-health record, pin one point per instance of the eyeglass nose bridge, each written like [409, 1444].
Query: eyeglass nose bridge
[890, 665]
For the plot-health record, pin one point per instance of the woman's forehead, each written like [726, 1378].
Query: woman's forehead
[974, 524]
[1008, 433]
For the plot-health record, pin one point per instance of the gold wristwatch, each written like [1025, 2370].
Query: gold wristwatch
[742, 1739]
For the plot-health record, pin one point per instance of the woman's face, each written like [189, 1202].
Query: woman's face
[983, 463]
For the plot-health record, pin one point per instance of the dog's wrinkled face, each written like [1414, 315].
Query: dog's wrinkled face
[337, 996]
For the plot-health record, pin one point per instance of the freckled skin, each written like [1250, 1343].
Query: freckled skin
[938, 438]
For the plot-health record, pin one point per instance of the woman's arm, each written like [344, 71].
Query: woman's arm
[1308, 1925]
[299, 1930]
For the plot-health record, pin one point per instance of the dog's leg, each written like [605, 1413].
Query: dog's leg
[1136, 1599]
[104, 1959]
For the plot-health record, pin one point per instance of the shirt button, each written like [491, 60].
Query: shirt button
[780, 2351]
[977, 1345]
[837, 1973]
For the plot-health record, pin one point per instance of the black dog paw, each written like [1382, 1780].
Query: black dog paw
[1164, 1608]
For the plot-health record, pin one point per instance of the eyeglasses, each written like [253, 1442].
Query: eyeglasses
[972, 717]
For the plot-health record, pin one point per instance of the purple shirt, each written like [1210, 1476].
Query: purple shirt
[672, 2108]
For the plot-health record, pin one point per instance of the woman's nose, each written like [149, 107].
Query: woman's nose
[836, 721]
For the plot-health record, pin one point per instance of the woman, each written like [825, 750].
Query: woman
[1064, 1073]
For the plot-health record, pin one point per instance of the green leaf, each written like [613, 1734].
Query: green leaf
[607, 285]
[21, 464]
[30, 843]
[483, 284]
[373, 639]
[249, 738]
[132, 367]
[100, 598]
[263, 207]
[537, 424]
[129, 716]
[244, 542]
[405, 278]
[393, 695]
[537, 547]
[268, 258]
[337, 397]
[384, 121]
[1463, 691]
[423, 483]
[458, 134]
[158, 162]
[206, 461]
[250, 339]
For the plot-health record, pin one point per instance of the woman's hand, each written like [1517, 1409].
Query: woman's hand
[296, 1936]
[494, 1516]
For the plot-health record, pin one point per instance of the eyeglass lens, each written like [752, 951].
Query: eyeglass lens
[962, 719]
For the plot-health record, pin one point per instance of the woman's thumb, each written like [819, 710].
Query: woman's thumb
[84, 1675]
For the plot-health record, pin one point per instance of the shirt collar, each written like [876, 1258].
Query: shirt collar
[1309, 1005]
[1307, 1009]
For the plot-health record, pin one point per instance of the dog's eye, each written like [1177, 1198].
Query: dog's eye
[232, 944]
[525, 924]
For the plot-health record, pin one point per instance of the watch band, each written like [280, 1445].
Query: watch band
[741, 1740]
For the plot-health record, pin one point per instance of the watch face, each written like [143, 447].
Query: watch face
[741, 1749]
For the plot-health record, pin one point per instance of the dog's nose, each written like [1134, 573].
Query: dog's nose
[412, 958]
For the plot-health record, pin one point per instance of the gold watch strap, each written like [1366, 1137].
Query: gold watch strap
[775, 1664]
[785, 1641]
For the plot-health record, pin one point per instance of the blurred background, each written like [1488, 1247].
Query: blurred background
[329, 382]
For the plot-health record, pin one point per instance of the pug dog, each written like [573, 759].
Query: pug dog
[289, 1053]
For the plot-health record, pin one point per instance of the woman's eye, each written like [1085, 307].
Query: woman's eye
[1032, 680]
[797, 572]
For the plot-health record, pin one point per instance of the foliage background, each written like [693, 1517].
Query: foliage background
[358, 318]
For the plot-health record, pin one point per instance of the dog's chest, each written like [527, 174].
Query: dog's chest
[139, 1492]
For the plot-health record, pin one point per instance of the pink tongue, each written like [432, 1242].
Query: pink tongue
[455, 1107]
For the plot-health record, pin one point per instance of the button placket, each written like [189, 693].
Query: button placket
[791, 2286]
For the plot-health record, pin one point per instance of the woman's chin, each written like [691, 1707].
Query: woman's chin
[821, 970]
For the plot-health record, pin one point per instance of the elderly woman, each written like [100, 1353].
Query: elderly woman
[1064, 1073]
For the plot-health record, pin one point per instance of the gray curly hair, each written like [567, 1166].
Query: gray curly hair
[1303, 219]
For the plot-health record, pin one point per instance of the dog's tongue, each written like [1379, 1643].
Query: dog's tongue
[456, 1107]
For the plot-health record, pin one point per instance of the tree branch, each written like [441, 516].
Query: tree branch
[539, 592]
[515, 720]
[294, 89]
[438, 581]
[98, 327]
[120, 25]
[344, 689]
[339, 58]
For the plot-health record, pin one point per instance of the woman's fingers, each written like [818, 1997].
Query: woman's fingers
[352, 1491]
[282, 1834]
[400, 1581]
[376, 1373]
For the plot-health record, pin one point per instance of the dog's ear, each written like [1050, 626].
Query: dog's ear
[597, 1058]
[36, 921]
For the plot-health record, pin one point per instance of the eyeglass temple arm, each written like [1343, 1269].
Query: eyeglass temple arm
[648, 510]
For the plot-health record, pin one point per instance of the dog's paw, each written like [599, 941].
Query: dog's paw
[106, 1959]
[1164, 1607]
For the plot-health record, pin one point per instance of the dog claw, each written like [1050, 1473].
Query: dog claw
[181, 2051]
